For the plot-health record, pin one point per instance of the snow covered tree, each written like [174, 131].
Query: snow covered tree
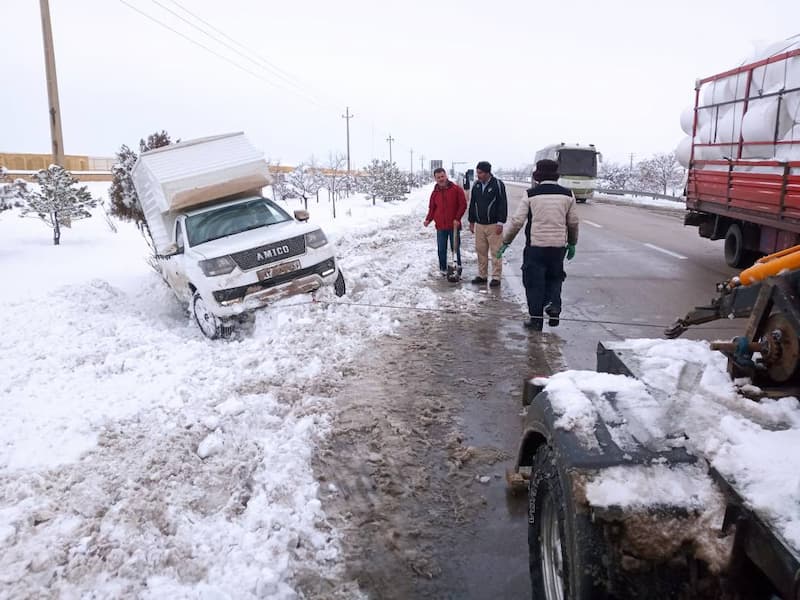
[9, 191]
[370, 181]
[384, 180]
[58, 201]
[281, 190]
[304, 182]
[660, 172]
[614, 176]
[122, 195]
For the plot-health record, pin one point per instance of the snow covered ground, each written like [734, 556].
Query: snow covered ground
[677, 205]
[685, 389]
[138, 457]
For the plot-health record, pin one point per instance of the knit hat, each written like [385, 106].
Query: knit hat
[484, 166]
[546, 170]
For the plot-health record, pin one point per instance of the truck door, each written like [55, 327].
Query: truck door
[174, 266]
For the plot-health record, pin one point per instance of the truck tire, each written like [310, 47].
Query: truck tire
[339, 286]
[211, 325]
[737, 255]
[561, 557]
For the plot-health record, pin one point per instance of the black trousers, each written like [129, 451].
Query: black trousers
[542, 275]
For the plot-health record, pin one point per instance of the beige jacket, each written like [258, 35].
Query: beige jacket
[555, 219]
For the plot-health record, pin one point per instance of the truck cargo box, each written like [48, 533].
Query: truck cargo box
[193, 173]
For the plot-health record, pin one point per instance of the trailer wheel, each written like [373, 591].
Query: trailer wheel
[736, 254]
[560, 554]
[580, 200]
[211, 325]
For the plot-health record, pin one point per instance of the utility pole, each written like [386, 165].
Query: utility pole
[57, 139]
[390, 139]
[348, 116]
[412, 161]
[422, 162]
[631, 167]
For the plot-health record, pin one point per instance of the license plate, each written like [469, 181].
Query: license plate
[281, 269]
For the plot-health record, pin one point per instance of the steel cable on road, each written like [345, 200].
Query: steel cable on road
[479, 313]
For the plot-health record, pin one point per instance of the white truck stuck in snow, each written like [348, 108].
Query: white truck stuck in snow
[222, 247]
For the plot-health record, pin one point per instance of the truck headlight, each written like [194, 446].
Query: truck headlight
[217, 266]
[316, 239]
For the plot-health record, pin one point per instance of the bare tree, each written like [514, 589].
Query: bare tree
[303, 181]
[660, 172]
[280, 185]
[336, 173]
[614, 176]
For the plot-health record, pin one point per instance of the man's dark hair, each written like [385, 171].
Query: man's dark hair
[484, 166]
[439, 170]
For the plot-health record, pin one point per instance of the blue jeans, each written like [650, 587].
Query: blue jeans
[542, 275]
[443, 236]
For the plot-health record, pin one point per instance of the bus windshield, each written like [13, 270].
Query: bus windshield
[577, 162]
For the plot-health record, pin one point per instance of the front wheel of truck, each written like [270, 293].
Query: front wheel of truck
[339, 286]
[561, 545]
[211, 325]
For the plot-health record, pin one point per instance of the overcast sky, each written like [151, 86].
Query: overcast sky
[454, 80]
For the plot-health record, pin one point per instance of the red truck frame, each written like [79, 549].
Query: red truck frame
[755, 213]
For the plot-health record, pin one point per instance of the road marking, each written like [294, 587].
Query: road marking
[592, 223]
[665, 251]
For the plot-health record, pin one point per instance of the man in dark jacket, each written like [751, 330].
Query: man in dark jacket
[447, 205]
[488, 209]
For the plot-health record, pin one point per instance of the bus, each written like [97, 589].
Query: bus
[577, 166]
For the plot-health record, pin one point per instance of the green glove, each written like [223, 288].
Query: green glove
[500, 252]
[570, 251]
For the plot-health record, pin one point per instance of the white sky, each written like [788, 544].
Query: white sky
[453, 80]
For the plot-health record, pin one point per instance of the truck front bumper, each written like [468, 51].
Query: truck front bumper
[236, 300]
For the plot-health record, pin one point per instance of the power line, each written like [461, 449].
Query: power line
[201, 45]
[261, 62]
[298, 88]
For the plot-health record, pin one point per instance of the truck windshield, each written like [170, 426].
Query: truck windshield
[233, 219]
[577, 162]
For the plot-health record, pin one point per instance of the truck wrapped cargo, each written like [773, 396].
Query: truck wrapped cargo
[743, 155]
[192, 173]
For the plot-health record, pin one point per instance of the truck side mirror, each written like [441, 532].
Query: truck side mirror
[600, 156]
[172, 250]
[301, 215]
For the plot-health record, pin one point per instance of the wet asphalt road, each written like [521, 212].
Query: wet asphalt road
[422, 523]
[633, 265]
[635, 271]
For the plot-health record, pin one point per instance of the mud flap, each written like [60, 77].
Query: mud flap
[339, 286]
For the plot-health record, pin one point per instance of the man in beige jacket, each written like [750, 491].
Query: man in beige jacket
[550, 233]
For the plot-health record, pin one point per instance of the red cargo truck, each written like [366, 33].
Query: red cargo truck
[743, 183]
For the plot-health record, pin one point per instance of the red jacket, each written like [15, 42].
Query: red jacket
[447, 205]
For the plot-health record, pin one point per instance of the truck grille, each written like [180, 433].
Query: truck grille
[238, 293]
[264, 255]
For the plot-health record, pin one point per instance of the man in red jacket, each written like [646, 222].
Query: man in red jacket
[447, 205]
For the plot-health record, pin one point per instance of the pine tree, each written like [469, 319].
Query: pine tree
[58, 201]
[8, 190]
[122, 195]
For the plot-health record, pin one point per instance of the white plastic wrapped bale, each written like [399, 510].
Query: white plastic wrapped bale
[789, 152]
[683, 152]
[766, 119]
[773, 76]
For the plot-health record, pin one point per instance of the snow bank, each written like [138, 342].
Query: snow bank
[138, 458]
[685, 390]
